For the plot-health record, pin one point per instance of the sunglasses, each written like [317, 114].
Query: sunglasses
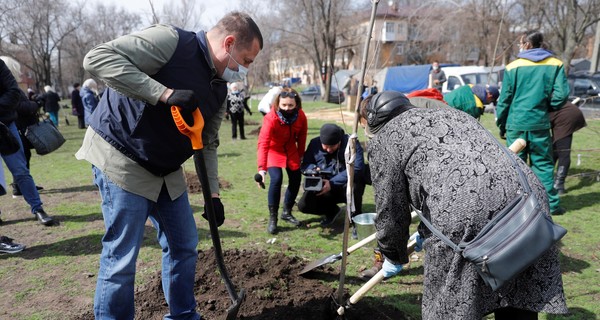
[287, 94]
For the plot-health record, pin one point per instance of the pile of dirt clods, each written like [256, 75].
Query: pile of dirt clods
[274, 290]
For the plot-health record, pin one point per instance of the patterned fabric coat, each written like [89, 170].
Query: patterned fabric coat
[450, 168]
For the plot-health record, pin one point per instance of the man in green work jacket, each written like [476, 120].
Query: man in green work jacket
[533, 85]
[472, 98]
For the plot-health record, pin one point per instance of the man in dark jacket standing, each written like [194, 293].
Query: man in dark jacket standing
[438, 77]
[137, 151]
[77, 105]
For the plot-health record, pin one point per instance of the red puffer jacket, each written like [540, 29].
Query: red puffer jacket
[281, 145]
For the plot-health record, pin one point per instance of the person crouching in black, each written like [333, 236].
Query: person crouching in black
[324, 157]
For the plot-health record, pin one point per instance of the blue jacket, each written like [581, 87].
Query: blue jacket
[147, 133]
[315, 156]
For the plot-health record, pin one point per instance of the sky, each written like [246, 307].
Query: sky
[213, 9]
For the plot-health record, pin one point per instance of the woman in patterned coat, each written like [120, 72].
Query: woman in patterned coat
[448, 166]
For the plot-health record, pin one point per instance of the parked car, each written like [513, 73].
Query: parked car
[313, 93]
[583, 85]
[460, 76]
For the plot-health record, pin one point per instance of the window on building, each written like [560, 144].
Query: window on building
[389, 27]
[400, 49]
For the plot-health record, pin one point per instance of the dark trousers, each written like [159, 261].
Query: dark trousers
[276, 178]
[80, 122]
[237, 119]
[562, 152]
[26, 147]
[326, 204]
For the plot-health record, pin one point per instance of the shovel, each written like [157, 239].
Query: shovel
[336, 257]
[195, 135]
[377, 278]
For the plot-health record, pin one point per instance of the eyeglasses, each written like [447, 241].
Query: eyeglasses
[287, 94]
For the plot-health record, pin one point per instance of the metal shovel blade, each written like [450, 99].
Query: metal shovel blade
[336, 257]
[233, 310]
[320, 262]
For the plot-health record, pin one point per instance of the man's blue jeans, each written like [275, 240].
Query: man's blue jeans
[125, 215]
[17, 165]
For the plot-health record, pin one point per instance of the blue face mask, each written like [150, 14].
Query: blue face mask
[230, 75]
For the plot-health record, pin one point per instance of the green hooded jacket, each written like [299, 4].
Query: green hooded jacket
[533, 85]
[465, 100]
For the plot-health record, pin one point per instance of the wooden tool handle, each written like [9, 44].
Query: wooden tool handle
[362, 243]
[377, 278]
[518, 145]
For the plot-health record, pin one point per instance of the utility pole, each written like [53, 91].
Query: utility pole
[595, 52]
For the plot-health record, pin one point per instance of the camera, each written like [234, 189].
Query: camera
[313, 179]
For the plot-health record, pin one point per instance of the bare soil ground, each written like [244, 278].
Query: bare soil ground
[274, 290]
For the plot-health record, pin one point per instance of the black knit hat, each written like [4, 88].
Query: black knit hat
[384, 106]
[331, 134]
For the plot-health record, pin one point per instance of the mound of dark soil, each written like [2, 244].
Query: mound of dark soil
[194, 186]
[274, 290]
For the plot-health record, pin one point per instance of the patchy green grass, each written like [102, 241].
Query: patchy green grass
[62, 261]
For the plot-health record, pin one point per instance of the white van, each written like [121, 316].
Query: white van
[460, 76]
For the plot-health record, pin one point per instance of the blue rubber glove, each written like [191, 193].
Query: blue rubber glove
[389, 269]
[417, 237]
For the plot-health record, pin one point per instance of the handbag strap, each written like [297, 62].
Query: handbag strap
[522, 179]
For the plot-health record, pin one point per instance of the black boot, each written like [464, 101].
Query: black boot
[272, 227]
[287, 216]
[559, 180]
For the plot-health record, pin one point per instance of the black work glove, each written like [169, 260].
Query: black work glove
[502, 134]
[185, 99]
[219, 211]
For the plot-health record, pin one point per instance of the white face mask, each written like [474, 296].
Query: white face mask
[234, 76]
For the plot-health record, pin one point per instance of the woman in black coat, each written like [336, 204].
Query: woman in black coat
[51, 105]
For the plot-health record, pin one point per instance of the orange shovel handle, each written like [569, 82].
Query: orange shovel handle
[194, 132]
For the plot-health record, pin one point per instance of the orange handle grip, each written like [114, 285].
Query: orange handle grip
[194, 132]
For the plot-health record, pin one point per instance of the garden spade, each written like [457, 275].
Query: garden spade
[195, 134]
[335, 257]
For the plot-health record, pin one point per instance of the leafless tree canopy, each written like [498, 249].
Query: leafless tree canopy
[50, 37]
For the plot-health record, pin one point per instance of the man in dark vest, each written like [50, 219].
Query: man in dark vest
[137, 151]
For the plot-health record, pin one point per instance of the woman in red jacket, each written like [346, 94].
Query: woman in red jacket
[281, 144]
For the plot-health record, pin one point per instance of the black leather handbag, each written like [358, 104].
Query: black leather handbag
[44, 137]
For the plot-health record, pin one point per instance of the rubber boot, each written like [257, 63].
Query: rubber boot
[378, 263]
[272, 227]
[559, 180]
[286, 215]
